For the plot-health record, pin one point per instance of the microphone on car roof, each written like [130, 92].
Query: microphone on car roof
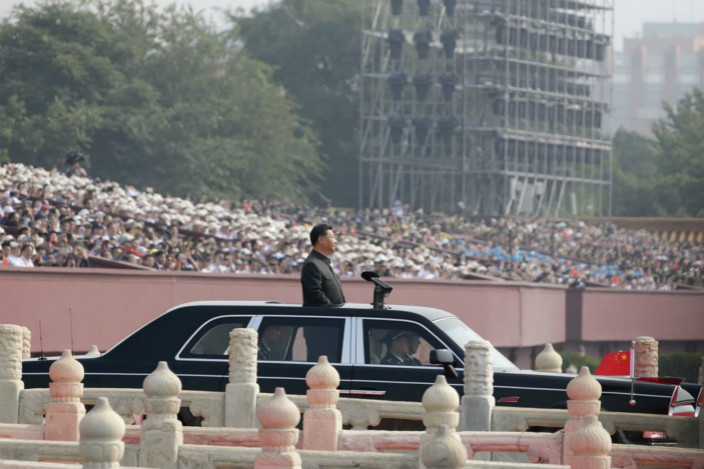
[381, 288]
[369, 275]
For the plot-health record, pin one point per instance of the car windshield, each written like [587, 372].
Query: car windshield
[461, 333]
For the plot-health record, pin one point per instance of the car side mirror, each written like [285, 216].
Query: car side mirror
[444, 357]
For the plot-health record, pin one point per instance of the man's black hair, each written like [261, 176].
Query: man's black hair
[318, 231]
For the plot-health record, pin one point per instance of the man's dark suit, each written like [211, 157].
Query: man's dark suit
[321, 287]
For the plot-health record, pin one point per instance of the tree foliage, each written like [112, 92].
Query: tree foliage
[634, 175]
[314, 46]
[680, 149]
[663, 176]
[154, 97]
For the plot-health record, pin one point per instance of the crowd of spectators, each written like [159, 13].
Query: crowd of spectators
[52, 219]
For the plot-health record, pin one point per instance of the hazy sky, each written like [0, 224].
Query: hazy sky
[629, 14]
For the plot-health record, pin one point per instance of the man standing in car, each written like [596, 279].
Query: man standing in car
[321, 286]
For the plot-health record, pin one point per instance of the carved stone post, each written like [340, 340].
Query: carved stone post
[440, 402]
[443, 451]
[102, 429]
[322, 421]
[64, 413]
[646, 357]
[10, 372]
[548, 361]
[583, 392]
[162, 433]
[26, 342]
[478, 401]
[590, 445]
[242, 390]
[278, 435]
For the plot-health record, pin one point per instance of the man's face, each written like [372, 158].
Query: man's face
[327, 243]
[399, 346]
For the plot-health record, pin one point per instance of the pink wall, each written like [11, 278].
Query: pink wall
[105, 305]
[617, 315]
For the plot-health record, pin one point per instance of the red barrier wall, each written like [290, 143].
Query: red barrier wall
[81, 307]
[609, 315]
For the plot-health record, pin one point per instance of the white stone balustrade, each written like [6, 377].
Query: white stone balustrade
[590, 445]
[11, 346]
[65, 411]
[440, 402]
[162, 433]
[278, 434]
[101, 432]
[322, 421]
[478, 401]
[646, 357]
[26, 342]
[548, 361]
[242, 390]
[443, 450]
[583, 392]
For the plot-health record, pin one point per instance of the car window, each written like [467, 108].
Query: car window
[397, 343]
[300, 339]
[214, 337]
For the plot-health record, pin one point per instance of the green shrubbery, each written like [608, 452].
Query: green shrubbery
[681, 365]
[578, 360]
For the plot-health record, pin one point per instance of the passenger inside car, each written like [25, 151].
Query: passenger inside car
[410, 348]
[268, 341]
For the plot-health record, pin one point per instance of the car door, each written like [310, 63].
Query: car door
[385, 369]
[202, 363]
[289, 346]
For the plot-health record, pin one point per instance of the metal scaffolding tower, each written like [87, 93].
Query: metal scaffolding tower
[486, 107]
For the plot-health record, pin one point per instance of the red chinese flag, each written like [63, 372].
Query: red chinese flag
[615, 364]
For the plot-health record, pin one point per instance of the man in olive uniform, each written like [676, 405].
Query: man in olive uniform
[396, 348]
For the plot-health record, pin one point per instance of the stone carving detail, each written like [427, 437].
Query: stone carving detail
[101, 432]
[478, 369]
[33, 403]
[211, 408]
[548, 361]
[322, 422]
[443, 451]
[243, 356]
[11, 341]
[440, 403]
[590, 445]
[646, 357]
[26, 342]
[66, 409]
[278, 435]
[358, 415]
[161, 432]
[125, 405]
[583, 392]
[66, 375]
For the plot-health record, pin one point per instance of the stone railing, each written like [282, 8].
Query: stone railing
[161, 441]
[477, 414]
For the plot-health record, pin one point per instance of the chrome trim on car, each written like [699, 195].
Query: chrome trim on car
[198, 329]
[364, 392]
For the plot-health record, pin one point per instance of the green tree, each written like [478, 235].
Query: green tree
[635, 174]
[680, 148]
[155, 97]
[314, 46]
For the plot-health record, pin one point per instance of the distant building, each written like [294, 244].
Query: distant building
[663, 65]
